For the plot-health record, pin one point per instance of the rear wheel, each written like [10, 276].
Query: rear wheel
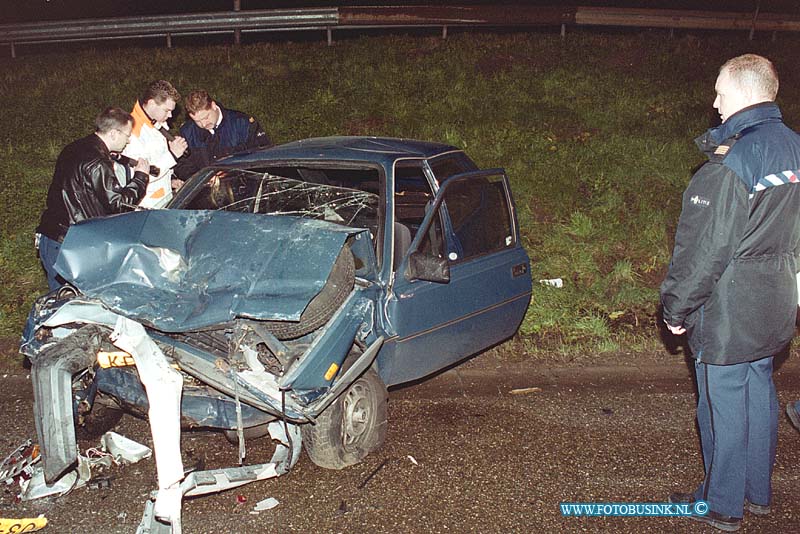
[350, 428]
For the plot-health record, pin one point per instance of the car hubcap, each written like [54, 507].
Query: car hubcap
[357, 413]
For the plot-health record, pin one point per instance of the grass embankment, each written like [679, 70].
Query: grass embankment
[595, 132]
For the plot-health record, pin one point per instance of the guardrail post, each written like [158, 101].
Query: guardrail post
[13, 51]
[755, 18]
[169, 40]
[237, 33]
[563, 30]
[444, 32]
[329, 33]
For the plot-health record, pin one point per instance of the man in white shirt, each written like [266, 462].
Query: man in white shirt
[150, 140]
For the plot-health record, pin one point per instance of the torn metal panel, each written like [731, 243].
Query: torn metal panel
[358, 367]
[163, 385]
[202, 366]
[52, 315]
[180, 270]
[286, 454]
[330, 347]
[51, 376]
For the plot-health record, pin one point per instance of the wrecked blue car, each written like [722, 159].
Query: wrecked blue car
[292, 284]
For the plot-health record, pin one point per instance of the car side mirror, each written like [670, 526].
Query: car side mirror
[426, 267]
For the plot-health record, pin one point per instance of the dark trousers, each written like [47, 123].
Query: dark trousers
[48, 253]
[737, 413]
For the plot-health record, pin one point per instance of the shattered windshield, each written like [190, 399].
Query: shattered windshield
[256, 191]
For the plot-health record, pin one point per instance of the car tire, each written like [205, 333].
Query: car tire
[350, 428]
[339, 284]
[104, 415]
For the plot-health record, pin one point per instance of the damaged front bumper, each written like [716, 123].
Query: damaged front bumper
[222, 391]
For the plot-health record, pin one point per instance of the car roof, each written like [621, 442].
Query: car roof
[384, 150]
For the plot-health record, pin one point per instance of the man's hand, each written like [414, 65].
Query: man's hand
[676, 330]
[142, 165]
[178, 146]
[176, 184]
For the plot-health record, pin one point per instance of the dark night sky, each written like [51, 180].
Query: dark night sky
[37, 10]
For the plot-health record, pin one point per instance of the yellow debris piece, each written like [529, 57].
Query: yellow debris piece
[28, 524]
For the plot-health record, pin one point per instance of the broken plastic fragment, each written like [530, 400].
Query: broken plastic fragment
[267, 504]
[19, 462]
[36, 487]
[124, 449]
[413, 460]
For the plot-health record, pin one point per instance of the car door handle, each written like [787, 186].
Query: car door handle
[519, 269]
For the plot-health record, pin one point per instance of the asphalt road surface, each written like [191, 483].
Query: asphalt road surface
[466, 451]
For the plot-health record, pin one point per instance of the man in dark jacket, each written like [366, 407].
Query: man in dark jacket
[214, 132]
[731, 287]
[84, 185]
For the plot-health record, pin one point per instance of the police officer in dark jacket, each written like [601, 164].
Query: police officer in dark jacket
[731, 286]
[84, 185]
[214, 132]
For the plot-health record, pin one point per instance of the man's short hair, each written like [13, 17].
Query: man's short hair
[754, 72]
[160, 91]
[198, 101]
[112, 118]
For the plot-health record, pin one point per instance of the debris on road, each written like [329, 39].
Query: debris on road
[196, 483]
[525, 391]
[363, 484]
[28, 524]
[552, 282]
[412, 459]
[19, 462]
[124, 450]
[36, 487]
[267, 504]
[22, 466]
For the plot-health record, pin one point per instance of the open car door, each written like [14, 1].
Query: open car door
[464, 284]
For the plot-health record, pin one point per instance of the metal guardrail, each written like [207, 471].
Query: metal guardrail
[677, 18]
[329, 19]
[167, 26]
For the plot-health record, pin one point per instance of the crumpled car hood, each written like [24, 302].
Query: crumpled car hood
[178, 270]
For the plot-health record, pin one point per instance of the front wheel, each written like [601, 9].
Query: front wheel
[352, 427]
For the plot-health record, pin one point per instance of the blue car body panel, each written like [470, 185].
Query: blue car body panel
[186, 270]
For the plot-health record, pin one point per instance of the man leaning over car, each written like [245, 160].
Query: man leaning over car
[84, 185]
[214, 132]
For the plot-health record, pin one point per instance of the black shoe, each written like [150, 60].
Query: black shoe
[718, 521]
[756, 509]
[794, 415]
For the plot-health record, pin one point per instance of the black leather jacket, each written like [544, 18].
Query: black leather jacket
[85, 186]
